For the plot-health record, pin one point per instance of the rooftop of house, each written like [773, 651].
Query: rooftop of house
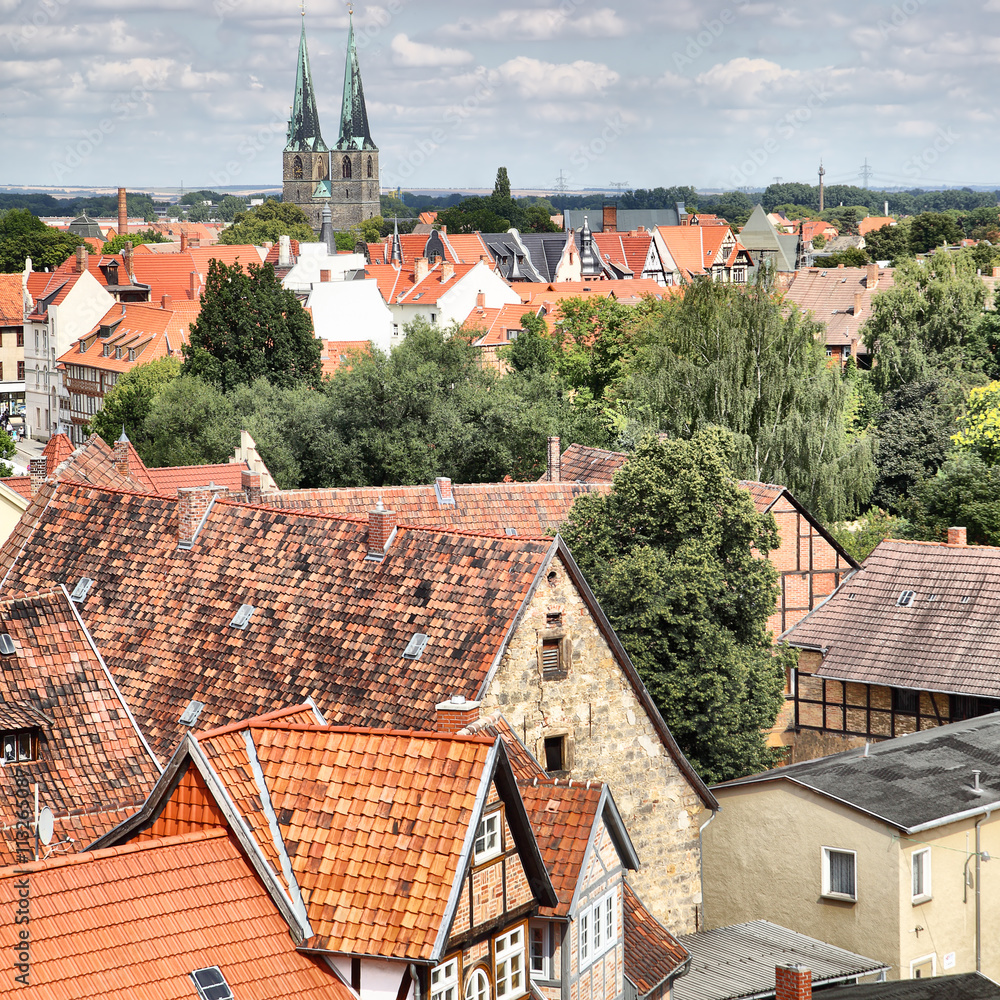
[966, 986]
[695, 249]
[140, 919]
[87, 753]
[873, 222]
[11, 300]
[338, 353]
[918, 615]
[839, 297]
[759, 235]
[624, 290]
[739, 961]
[652, 953]
[913, 782]
[627, 251]
[493, 325]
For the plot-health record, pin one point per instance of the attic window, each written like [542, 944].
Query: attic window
[415, 647]
[81, 590]
[966, 599]
[555, 753]
[905, 599]
[20, 746]
[512, 334]
[553, 619]
[211, 984]
[510, 531]
[242, 617]
[851, 596]
[190, 714]
[7, 647]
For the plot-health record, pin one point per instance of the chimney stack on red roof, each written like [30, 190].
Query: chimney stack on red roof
[284, 251]
[447, 271]
[610, 221]
[165, 301]
[122, 212]
[38, 470]
[858, 300]
[81, 259]
[324, 276]
[184, 241]
[957, 536]
[445, 494]
[250, 483]
[553, 466]
[456, 714]
[192, 506]
[193, 289]
[420, 269]
[444, 230]
[120, 452]
[481, 300]
[381, 528]
[792, 982]
[872, 278]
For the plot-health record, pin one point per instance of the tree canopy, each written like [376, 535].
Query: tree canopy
[117, 243]
[265, 223]
[22, 235]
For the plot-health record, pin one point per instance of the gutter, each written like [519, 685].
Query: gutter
[701, 868]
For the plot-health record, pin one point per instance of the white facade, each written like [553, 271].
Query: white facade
[313, 260]
[350, 310]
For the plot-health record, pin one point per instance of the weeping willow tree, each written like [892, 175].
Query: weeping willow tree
[738, 358]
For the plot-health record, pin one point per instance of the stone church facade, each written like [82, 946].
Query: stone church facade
[344, 178]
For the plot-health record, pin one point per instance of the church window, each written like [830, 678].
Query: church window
[371, 169]
[297, 168]
[345, 166]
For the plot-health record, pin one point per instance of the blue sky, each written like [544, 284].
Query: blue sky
[727, 94]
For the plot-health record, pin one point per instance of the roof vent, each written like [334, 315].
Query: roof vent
[190, 714]
[81, 590]
[211, 984]
[905, 599]
[415, 647]
[932, 597]
[7, 645]
[966, 599]
[242, 617]
[510, 531]
[851, 596]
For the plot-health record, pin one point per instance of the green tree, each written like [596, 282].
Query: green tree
[966, 492]
[189, 423]
[851, 257]
[891, 243]
[933, 229]
[22, 235]
[130, 401]
[230, 207]
[534, 350]
[250, 327]
[669, 554]
[265, 223]
[117, 243]
[859, 537]
[979, 426]
[501, 188]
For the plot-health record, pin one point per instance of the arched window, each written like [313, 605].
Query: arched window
[345, 167]
[297, 168]
[371, 168]
[478, 986]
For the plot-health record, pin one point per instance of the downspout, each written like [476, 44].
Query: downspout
[701, 868]
[415, 976]
[979, 860]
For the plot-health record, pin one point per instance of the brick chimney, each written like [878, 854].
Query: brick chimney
[957, 536]
[455, 714]
[420, 269]
[792, 982]
[120, 452]
[481, 300]
[381, 528]
[165, 301]
[554, 463]
[122, 212]
[81, 259]
[871, 279]
[250, 484]
[324, 276]
[610, 220]
[192, 504]
[38, 470]
[184, 241]
[445, 494]
[193, 285]
[447, 271]
[859, 298]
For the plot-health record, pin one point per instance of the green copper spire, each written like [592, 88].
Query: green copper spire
[354, 132]
[303, 126]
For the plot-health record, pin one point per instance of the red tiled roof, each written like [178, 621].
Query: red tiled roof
[522, 762]
[391, 280]
[337, 353]
[828, 293]
[57, 449]
[274, 253]
[873, 222]
[580, 464]
[433, 286]
[19, 484]
[652, 953]
[93, 768]
[169, 479]
[138, 920]
[494, 323]
[11, 300]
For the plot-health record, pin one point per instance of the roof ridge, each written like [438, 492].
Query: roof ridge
[295, 727]
[278, 713]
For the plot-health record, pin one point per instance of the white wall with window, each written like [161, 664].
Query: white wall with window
[444, 980]
[920, 875]
[840, 873]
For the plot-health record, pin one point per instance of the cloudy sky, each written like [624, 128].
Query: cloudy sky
[717, 95]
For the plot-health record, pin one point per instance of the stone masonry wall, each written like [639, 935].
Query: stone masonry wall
[613, 741]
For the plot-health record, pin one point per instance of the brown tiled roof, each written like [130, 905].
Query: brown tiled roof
[93, 463]
[57, 449]
[829, 294]
[764, 495]
[949, 643]
[19, 484]
[581, 464]
[93, 766]
[532, 509]
[11, 300]
[138, 920]
[652, 953]
[168, 480]
[522, 762]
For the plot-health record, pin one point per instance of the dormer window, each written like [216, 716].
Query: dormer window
[20, 746]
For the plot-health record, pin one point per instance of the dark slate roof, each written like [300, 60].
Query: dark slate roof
[546, 250]
[950, 643]
[85, 226]
[303, 127]
[354, 131]
[967, 986]
[912, 782]
[628, 219]
[739, 961]
[652, 953]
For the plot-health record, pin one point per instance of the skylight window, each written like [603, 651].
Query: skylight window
[851, 596]
[905, 599]
[7, 647]
[415, 647]
[242, 617]
[932, 597]
[190, 714]
[966, 599]
[211, 984]
[81, 590]
[510, 531]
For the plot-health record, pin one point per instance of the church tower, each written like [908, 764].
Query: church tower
[354, 180]
[306, 160]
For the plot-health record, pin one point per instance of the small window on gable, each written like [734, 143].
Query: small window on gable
[20, 746]
[553, 668]
[211, 984]
[905, 599]
[487, 838]
[415, 647]
[553, 619]
[555, 753]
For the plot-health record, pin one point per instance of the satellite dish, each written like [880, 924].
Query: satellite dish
[46, 823]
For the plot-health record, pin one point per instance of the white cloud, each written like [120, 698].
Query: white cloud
[409, 53]
[540, 25]
[534, 78]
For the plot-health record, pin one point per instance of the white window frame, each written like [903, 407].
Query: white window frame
[932, 958]
[827, 892]
[489, 835]
[923, 859]
[481, 992]
[446, 987]
[509, 968]
[599, 928]
[544, 960]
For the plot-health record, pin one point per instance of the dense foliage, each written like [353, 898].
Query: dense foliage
[117, 243]
[23, 236]
[265, 223]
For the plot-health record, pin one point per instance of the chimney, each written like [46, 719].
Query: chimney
[284, 251]
[871, 281]
[38, 469]
[122, 212]
[996, 272]
[792, 982]
[192, 505]
[324, 276]
[184, 241]
[447, 271]
[165, 301]
[445, 494]
[481, 296]
[250, 484]
[554, 462]
[610, 221]
[127, 259]
[420, 269]
[120, 453]
[381, 528]
[859, 298]
[455, 714]
[81, 259]
[956, 536]
[444, 230]
[193, 289]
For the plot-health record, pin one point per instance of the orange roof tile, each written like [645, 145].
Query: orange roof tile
[138, 920]
[652, 953]
[873, 222]
[829, 293]
[11, 300]
[338, 353]
[494, 323]
[57, 449]
[19, 484]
